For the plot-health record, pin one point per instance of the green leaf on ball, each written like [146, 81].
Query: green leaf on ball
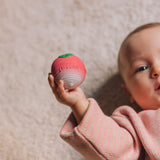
[66, 55]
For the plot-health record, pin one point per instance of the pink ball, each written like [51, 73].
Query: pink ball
[70, 69]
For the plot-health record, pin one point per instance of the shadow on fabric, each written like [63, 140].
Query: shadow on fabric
[110, 95]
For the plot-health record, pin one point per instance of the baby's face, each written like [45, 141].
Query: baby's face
[141, 67]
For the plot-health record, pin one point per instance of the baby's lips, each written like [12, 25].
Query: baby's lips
[157, 86]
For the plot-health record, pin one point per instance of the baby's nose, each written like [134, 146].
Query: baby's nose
[156, 71]
[155, 75]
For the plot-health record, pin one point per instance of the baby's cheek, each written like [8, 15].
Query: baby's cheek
[138, 89]
[142, 95]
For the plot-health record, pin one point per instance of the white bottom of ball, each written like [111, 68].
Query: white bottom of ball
[72, 78]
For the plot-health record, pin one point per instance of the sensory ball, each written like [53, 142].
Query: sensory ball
[70, 69]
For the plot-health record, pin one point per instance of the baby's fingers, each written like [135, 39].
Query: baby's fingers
[50, 80]
[60, 89]
[52, 83]
[60, 92]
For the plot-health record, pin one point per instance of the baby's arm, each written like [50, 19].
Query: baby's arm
[97, 136]
[75, 98]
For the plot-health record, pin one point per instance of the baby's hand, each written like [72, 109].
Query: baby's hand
[67, 97]
[74, 98]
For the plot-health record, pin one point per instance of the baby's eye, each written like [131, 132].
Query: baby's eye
[140, 69]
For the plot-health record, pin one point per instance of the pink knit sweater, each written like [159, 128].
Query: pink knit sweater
[126, 135]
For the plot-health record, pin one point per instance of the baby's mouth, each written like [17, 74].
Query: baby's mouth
[157, 88]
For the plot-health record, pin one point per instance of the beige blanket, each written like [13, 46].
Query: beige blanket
[32, 35]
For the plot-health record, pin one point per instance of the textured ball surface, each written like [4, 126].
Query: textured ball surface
[70, 69]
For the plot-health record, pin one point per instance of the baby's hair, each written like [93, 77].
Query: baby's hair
[138, 29]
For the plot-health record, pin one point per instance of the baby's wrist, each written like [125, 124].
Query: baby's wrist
[80, 108]
[80, 103]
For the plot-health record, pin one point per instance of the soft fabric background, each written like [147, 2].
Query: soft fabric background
[32, 35]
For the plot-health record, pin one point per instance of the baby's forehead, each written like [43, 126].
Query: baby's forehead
[130, 44]
[141, 40]
[144, 35]
[127, 51]
[139, 43]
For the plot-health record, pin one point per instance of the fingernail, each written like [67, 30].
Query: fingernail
[61, 81]
[50, 75]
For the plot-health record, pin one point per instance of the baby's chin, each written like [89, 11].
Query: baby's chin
[151, 107]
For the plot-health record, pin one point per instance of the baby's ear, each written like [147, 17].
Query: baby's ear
[125, 89]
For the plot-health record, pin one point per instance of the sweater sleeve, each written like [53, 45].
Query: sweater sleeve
[147, 126]
[99, 137]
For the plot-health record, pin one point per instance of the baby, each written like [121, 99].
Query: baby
[126, 134]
